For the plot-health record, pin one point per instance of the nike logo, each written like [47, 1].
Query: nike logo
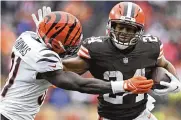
[54, 66]
[175, 88]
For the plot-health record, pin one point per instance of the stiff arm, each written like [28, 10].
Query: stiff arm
[72, 81]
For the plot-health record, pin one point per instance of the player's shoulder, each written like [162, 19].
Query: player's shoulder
[27, 34]
[31, 38]
[150, 45]
[149, 39]
[28, 44]
[94, 40]
[91, 46]
[32, 51]
[94, 43]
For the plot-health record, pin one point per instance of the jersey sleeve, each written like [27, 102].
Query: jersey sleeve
[161, 53]
[89, 47]
[85, 49]
[48, 60]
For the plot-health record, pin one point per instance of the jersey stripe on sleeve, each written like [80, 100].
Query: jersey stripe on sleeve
[161, 51]
[48, 56]
[47, 60]
[83, 52]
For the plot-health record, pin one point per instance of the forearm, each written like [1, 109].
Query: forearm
[72, 81]
[170, 68]
[167, 65]
[94, 86]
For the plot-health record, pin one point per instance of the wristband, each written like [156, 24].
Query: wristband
[117, 86]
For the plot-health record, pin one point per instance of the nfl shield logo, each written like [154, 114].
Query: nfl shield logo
[125, 60]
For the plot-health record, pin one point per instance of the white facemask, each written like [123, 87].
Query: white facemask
[118, 45]
[121, 47]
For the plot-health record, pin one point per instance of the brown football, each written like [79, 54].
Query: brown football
[159, 74]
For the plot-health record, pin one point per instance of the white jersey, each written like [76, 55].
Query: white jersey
[23, 93]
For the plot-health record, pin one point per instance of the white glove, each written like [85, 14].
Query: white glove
[173, 87]
[41, 15]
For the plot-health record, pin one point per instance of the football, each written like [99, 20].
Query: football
[159, 74]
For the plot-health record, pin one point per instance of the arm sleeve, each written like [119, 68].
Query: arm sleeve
[85, 49]
[48, 61]
[83, 52]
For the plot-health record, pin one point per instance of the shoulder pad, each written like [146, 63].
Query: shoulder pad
[155, 41]
[95, 39]
[28, 33]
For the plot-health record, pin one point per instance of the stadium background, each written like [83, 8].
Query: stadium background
[163, 19]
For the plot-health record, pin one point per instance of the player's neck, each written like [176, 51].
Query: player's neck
[127, 50]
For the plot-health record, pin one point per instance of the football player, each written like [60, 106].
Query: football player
[37, 64]
[126, 52]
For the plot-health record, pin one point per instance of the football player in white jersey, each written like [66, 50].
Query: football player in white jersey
[37, 64]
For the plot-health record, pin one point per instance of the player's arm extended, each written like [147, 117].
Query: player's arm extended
[71, 81]
[75, 64]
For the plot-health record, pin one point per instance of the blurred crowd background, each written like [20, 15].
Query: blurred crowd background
[163, 19]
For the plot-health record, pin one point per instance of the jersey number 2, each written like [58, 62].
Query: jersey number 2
[150, 39]
[117, 75]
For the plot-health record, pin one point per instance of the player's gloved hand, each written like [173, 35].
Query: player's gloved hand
[173, 87]
[138, 85]
[41, 14]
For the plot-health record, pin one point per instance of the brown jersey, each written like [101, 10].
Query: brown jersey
[110, 64]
